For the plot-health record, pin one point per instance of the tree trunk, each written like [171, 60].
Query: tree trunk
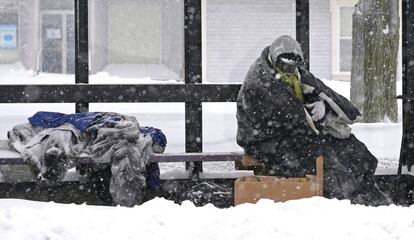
[374, 59]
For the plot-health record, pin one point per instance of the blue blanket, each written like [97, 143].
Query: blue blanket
[80, 120]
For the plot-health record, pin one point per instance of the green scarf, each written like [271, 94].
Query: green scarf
[293, 82]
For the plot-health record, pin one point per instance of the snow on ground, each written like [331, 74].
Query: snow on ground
[314, 218]
[134, 73]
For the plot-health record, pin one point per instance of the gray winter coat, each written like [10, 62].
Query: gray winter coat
[267, 108]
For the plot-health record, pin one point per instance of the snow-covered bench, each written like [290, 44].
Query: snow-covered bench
[10, 157]
[16, 177]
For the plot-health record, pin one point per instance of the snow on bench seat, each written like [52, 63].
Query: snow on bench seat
[11, 157]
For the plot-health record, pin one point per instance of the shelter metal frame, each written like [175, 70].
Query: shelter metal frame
[193, 93]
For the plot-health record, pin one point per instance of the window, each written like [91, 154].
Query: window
[341, 32]
[345, 38]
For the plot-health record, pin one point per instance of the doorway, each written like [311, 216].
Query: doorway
[58, 42]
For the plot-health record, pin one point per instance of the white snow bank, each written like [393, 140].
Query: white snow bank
[135, 74]
[315, 218]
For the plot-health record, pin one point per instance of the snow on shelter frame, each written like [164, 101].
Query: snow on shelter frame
[193, 93]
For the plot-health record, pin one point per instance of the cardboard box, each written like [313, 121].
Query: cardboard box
[250, 189]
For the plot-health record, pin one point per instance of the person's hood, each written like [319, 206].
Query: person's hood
[284, 44]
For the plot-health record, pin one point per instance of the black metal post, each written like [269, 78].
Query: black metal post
[408, 79]
[82, 68]
[302, 28]
[193, 134]
[81, 48]
[407, 148]
[193, 109]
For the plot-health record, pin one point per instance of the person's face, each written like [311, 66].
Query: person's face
[288, 62]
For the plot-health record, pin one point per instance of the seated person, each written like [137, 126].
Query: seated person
[287, 117]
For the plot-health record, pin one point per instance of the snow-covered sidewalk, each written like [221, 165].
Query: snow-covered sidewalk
[315, 218]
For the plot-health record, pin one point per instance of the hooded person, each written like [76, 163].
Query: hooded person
[287, 117]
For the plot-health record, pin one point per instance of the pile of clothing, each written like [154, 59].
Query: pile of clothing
[51, 142]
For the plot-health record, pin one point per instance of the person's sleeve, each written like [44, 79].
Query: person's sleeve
[338, 103]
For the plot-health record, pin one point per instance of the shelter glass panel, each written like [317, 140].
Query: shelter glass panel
[37, 42]
[235, 33]
[138, 41]
[12, 114]
[219, 134]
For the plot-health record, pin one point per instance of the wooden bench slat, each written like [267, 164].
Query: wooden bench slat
[196, 157]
